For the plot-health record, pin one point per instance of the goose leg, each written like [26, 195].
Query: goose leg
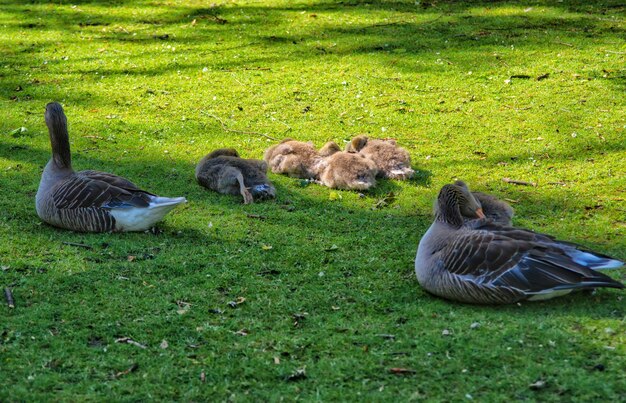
[230, 179]
[247, 196]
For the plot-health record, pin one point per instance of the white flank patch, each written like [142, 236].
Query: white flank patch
[549, 294]
[143, 218]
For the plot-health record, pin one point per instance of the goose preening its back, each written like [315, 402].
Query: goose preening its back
[498, 211]
[480, 261]
[91, 201]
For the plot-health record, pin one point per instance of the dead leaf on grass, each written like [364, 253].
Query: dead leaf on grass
[387, 200]
[132, 368]
[539, 384]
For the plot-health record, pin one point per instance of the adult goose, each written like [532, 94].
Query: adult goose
[498, 211]
[91, 201]
[482, 262]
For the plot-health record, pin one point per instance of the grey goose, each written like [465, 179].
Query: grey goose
[224, 171]
[498, 211]
[480, 261]
[91, 201]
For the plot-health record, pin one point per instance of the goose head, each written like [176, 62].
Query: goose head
[59, 138]
[263, 191]
[329, 149]
[356, 144]
[455, 202]
[225, 152]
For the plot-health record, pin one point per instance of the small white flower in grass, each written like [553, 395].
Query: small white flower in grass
[204, 70]
[446, 332]
[321, 274]
[383, 129]
[574, 134]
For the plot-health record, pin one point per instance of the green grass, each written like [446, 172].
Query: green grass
[139, 82]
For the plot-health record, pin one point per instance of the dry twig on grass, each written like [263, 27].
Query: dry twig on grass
[226, 129]
[516, 182]
[128, 340]
[80, 245]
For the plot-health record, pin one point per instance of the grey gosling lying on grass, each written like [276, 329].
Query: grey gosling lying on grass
[482, 262]
[294, 158]
[225, 172]
[91, 201]
[496, 210]
[343, 170]
[393, 162]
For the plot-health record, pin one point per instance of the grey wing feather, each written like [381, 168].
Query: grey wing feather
[497, 260]
[98, 189]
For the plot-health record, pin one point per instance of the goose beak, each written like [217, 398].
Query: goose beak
[479, 213]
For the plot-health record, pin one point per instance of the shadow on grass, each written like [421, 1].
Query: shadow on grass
[449, 26]
[222, 31]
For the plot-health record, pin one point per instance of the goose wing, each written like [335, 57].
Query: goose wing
[578, 253]
[98, 189]
[502, 260]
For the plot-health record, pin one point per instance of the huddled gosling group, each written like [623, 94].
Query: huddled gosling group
[471, 253]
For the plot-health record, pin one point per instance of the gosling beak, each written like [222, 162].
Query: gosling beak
[479, 213]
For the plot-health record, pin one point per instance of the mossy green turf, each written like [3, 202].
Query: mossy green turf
[532, 91]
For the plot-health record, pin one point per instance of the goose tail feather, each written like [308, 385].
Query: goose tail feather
[158, 202]
[593, 260]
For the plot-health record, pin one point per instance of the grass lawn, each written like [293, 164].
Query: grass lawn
[311, 296]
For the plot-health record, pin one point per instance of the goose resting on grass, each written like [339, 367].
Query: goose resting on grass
[392, 161]
[496, 210]
[482, 262]
[91, 201]
[225, 172]
[344, 170]
[294, 158]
